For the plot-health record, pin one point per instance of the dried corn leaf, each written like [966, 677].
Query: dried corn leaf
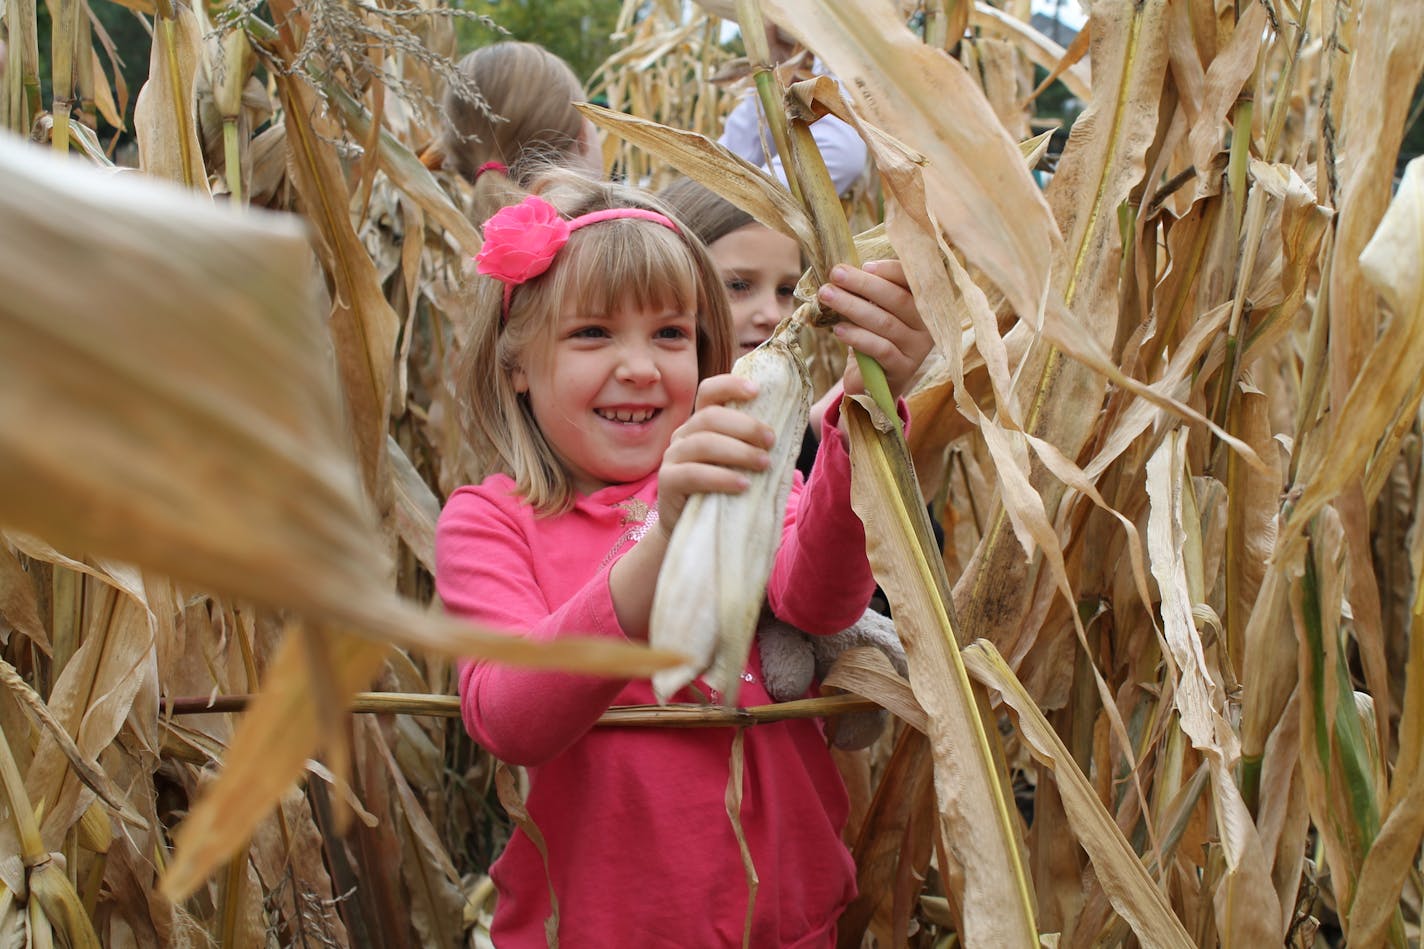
[165, 113]
[1225, 77]
[1392, 34]
[1391, 261]
[362, 323]
[430, 878]
[1296, 228]
[104, 94]
[1101, 165]
[1063, 65]
[975, 810]
[865, 671]
[1391, 857]
[708, 163]
[88, 769]
[287, 853]
[416, 508]
[891, 849]
[1334, 759]
[1372, 129]
[18, 605]
[1282, 816]
[1004, 73]
[414, 180]
[1253, 505]
[1247, 910]
[91, 699]
[202, 440]
[268, 753]
[1133, 893]
[976, 185]
[1064, 332]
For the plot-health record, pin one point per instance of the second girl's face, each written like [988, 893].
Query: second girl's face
[759, 268]
[609, 390]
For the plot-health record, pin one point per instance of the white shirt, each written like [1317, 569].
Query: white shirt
[843, 150]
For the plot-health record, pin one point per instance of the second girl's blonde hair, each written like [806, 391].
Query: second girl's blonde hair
[606, 266]
[530, 117]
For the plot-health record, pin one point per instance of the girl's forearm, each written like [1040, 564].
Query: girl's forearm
[527, 716]
[632, 580]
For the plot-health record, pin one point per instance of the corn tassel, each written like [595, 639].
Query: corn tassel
[713, 579]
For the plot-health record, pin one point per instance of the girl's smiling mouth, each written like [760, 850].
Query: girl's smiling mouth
[627, 416]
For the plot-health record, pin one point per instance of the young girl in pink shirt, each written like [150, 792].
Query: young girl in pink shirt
[596, 368]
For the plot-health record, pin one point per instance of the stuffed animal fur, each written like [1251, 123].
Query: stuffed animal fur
[790, 660]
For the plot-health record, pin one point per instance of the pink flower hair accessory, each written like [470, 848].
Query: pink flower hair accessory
[522, 240]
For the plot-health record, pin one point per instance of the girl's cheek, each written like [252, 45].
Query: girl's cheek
[740, 316]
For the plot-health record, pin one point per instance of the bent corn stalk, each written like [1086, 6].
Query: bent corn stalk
[977, 818]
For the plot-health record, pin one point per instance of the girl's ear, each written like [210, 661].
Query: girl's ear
[520, 378]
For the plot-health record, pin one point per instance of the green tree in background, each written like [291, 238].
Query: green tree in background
[577, 30]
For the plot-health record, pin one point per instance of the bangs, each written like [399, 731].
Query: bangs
[626, 263]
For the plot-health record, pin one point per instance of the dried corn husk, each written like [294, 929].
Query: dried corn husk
[714, 576]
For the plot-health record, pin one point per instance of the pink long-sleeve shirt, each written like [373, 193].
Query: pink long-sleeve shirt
[641, 851]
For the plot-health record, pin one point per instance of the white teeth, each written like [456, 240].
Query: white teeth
[627, 415]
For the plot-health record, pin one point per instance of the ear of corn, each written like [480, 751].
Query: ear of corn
[714, 576]
[54, 897]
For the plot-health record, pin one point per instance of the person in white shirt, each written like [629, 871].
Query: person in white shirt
[745, 133]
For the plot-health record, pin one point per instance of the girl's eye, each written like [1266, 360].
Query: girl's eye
[589, 332]
[786, 291]
[672, 332]
[736, 286]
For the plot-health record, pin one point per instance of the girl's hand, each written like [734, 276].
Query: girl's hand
[880, 320]
[712, 451]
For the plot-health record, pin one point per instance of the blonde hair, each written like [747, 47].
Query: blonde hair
[607, 266]
[527, 119]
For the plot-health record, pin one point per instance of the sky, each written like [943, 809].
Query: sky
[1070, 12]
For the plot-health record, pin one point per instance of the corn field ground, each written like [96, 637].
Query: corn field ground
[1166, 678]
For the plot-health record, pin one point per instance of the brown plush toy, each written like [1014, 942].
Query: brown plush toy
[791, 659]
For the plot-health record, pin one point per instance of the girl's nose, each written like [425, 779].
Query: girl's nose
[637, 366]
[767, 313]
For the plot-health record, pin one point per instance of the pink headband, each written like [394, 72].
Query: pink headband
[522, 240]
[498, 166]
